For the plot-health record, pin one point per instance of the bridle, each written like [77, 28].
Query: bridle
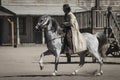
[46, 23]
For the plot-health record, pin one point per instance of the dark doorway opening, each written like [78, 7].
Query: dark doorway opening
[1, 30]
[37, 34]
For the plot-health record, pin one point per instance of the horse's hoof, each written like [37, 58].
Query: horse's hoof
[41, 67]
[74, 73]
[99, 74]
[54, 74]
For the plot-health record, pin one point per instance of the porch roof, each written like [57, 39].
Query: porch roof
[40, 9]
[5, 12]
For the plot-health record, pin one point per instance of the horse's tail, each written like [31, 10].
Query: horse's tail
[102, 43]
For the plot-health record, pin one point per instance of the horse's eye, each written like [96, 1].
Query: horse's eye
[45, 18]
[41, 20]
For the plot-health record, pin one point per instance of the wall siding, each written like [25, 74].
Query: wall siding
[82, 3]
[85, 4]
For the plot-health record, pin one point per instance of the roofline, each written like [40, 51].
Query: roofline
[3, 9]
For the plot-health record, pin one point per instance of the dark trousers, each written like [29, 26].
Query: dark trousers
[68, 45]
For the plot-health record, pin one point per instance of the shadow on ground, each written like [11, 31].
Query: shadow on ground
[109, 63]
[59, 75]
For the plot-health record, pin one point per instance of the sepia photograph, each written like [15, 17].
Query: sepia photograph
[59, 39]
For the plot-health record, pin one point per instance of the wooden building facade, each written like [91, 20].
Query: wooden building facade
[28, 12]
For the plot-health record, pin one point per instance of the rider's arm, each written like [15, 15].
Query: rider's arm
[68, 22]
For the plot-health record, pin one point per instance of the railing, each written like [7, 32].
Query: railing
[99, 19]
[115, 27]
[106, 20]
[95, 21]
[84, 19]
[92, 21]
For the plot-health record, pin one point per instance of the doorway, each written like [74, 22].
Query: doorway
[1, 30]
[37, 34]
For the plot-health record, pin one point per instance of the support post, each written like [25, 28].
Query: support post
[12, 30]
[43, 37]
[18, 33]
[108, 31]
[95, 15]
[12, 25]
[97, 4]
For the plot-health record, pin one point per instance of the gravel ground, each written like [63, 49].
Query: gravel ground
[21, 64]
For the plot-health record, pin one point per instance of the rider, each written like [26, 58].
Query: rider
[74, 41]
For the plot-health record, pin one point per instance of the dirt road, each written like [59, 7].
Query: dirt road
[20, 64]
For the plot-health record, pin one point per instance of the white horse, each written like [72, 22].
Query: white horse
[55, 43]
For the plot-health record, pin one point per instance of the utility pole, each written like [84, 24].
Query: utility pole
[0, 3]
[97, 4]
[94, 15]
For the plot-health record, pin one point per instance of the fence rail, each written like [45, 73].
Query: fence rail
[115, 28]
[97, 20]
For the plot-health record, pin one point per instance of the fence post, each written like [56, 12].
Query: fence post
[95, 15]
[108, 21]
[92, 22]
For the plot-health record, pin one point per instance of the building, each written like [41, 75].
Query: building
[28, 12]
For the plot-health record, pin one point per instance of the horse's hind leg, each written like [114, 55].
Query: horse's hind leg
[101, 64]
[82, 62]
[97, 56]
[41, 58]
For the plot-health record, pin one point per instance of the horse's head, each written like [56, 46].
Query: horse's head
[48, 23]
[42, 22]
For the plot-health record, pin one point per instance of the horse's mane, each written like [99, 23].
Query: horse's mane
[55, 24]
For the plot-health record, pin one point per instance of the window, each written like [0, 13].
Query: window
[22, 25]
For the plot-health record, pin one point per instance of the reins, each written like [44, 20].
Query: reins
[54, 39]
[47, 30]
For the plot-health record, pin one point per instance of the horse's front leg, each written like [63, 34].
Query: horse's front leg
[57, 56]
[41, 59]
